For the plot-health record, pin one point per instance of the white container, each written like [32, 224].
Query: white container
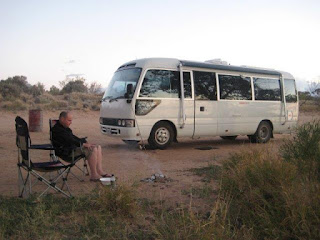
[106, 181]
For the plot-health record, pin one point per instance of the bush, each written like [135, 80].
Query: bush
[75, 86]
[37, 89]
[54, 90]
[9, 91]
[85, 217]
[16, 105]
[19, 81]
[56, 105]
[269, 198]
[304, 150]
[119, 201]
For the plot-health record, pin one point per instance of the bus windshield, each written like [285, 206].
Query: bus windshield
[118, 85]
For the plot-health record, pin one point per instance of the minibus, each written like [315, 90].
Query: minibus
[158, 100]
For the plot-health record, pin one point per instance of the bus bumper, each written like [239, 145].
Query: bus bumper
[125, 133]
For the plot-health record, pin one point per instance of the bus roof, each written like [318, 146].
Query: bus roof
[174, 63]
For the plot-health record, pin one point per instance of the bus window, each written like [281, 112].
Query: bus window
[186, 85]
[118, 85]
[205, 85]
[235, 87]
[267, 89]
[164, 84]
[290, 90]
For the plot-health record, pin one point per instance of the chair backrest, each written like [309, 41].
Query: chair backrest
[23, 139]
[52, 122]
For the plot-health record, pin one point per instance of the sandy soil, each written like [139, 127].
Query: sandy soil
[128, 163]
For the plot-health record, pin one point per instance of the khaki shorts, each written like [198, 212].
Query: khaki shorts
[78, 152]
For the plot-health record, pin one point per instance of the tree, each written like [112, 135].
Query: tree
[314, 90]
[95, 88]
[75, 86]
[54, 90]
[37, 89]
[8, 90]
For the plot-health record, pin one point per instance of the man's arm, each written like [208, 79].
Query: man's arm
[65, 137]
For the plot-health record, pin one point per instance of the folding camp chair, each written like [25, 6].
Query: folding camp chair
[74, 158]
[36, 169]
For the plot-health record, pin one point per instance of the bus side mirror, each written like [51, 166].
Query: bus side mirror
[129, 90]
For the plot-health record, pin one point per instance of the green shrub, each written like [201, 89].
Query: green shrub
[119, 201]
[56, 105]
[16, 105]
[209, 173]
[54, 90]
[37, 89]
[9, 91]
[75, 86]
[184, 223]
[304, 149]
[269, 198]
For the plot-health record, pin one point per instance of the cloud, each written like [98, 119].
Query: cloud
[75, 75]
[70, 61]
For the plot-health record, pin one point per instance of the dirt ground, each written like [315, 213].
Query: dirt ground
[128, 163]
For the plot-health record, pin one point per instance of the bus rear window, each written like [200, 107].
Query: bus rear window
[290, 90]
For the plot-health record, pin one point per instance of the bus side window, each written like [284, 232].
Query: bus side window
[235, 87]
[165, 84]
[205, 85]
[160, 84]
[186, 85]
[267, 89]
[290, 90]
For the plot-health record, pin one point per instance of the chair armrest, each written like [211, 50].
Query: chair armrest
[42, 147]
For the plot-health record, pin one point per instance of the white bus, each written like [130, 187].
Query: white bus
[159, 100]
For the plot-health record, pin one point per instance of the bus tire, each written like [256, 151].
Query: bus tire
[161, 135]
[263, 133]
[229, 137]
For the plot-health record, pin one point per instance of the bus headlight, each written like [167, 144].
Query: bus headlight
[129, 123]
[126, 122]
[101, 120]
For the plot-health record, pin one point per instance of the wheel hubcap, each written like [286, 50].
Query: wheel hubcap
[264, 133]
[162, 136]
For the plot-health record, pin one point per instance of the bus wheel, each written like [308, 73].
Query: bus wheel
[263, 133]
[229, 137]
[161, 135]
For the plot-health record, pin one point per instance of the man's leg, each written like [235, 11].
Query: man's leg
[99, 161]
[92, 161]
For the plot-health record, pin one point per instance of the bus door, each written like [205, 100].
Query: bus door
[205, 97]
[188, 103]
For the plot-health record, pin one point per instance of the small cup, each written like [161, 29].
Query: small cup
[105, 181]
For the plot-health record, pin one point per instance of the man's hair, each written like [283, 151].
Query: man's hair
[63, 114]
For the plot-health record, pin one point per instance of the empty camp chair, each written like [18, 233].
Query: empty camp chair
[74, 158]
[37, 169]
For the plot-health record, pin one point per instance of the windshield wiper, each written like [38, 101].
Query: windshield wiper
[115, 99]
[105, 98]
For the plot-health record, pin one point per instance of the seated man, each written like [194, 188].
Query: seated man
[64, 141]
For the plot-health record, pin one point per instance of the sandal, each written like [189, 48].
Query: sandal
[107, 175]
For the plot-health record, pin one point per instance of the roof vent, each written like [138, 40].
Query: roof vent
[217, 61]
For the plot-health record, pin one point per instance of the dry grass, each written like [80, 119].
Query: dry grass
[263, 195]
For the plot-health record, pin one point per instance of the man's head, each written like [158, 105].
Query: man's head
[65, 119]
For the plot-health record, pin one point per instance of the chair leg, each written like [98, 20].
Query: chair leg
[52, 184]
[22, 183]
[85, 168]
[80, 179]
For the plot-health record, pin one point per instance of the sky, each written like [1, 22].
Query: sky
[46, 41]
